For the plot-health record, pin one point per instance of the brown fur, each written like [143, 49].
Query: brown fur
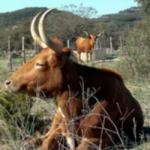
[85, 45]
[57, 40]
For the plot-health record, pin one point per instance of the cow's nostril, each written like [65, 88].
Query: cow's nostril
[7, 82]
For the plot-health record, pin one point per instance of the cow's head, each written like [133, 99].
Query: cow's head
[93, 37]
[43, 72]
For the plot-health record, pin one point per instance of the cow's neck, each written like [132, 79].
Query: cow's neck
[76, 74]
[77, 81]
[83, 80]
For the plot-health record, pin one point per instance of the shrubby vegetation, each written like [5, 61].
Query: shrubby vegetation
[14, 110]
[137, 48]
[18, 121]
[145, 6]
[137, 51]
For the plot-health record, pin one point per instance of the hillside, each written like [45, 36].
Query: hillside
[18, 16]
[64, 24]
[130, 16]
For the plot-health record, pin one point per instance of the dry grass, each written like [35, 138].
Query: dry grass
[140, 89]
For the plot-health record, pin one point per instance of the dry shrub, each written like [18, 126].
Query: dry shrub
[137, 52]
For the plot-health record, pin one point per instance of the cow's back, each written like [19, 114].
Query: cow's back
[83, 45]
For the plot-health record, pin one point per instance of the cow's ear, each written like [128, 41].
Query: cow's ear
[65, 55]
[66, 51]
[54, 60]
[59, 59]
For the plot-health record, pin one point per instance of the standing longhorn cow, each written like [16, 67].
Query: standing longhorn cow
[54, 74]
[86, 45]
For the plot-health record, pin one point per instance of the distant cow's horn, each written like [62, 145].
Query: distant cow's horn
[86, 33]
[35, 36]
[100, 34]
[42, 34]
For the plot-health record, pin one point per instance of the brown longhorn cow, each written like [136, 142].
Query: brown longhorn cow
[86, 45]
[111, 109]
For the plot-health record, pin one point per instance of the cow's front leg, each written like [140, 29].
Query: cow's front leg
[57, 129]
[90, 53]
[95, 128]
[79, 57]
[70, 108]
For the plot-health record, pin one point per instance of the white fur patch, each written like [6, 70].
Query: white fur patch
[85, 139]
[71, 143]
[61, 112]
[70, 140]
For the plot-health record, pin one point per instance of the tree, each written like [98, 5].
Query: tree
[81, 10]
[145, 5]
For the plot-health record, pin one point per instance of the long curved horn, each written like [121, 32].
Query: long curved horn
[87, 34]
[35, 36]
[42, 34]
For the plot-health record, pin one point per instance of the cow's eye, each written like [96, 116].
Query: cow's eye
[40, 64]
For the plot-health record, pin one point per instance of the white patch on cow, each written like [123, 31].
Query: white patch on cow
[85, 140]
[61, 112]
[71, 142]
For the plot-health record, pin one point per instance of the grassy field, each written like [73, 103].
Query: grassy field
[140, 90]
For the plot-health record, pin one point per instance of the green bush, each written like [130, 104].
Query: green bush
[137, 51]
[17, 120]
[14, 105]
[15, 111]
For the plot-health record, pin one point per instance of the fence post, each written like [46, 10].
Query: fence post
[68, 43]
[121, 43]
[111, 45]
[10, 54]
[23, 50]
